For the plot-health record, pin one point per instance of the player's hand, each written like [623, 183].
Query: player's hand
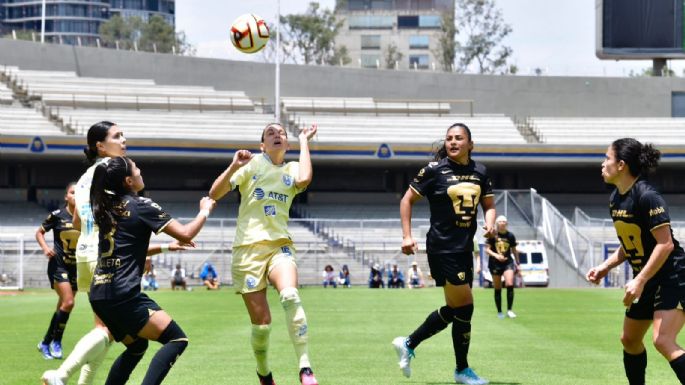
[633, 292]
[207, 203]
[477, 271]
[488, 231]
[308, 132]
[501, 258]
[242, 157]
[49, 253]
[178, 246]
[596, 274]
[409, 246]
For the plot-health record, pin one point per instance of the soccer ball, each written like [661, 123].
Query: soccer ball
[249, 33]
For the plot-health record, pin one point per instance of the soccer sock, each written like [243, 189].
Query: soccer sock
[461, 334]
[635, 365]
[678, 366]
[297, 323]
[87, 349]
[126, 362]
[510, 297]
[260, 346]
[175, 342]
[436, 322]
[48, 334]
[60, 325]
[89, 369]
[498, 300]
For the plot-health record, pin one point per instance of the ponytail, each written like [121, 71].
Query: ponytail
[106, 191]
[641, 159]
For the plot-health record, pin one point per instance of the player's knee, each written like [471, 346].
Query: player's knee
[67, 304]
[174, 333]
[663, 344]
[631, 343]
[137, 348]
[462, 314]
[290, 296]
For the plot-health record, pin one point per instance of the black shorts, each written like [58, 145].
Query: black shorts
[125, 317]
[669, 296]
[58, 271]
[498, 268]
[455, 268]
[644, 308]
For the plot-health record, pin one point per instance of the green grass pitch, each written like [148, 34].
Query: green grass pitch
[560, 337]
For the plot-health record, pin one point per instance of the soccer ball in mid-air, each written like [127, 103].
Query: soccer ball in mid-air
[249, 33]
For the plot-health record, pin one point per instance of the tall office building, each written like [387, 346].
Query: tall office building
[76, 21]
[370, 27]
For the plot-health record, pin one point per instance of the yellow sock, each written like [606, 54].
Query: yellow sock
[260, 346]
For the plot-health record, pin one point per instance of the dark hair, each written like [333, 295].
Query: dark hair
[96, 133]
[640, 158]
[274, 124]
[107, 189]
[439, 150]
[66, 190]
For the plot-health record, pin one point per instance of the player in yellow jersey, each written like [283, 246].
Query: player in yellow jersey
[263, 249]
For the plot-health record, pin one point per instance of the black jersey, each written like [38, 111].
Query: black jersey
[64, 235]
[502, 243]
[454, 192]
[635, 214]
[122, 252]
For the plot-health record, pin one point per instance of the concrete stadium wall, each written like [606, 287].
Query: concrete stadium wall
[515, 96]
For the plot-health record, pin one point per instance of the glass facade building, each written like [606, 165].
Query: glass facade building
[76, 21]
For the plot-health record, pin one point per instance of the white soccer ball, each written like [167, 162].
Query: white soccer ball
[249, 33]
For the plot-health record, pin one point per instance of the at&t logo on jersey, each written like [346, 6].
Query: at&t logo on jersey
[287, 180]
[258, 194]
[270, 211]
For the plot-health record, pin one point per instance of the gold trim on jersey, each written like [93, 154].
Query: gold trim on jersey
[164, 226]
[415, 190]
[661, 225]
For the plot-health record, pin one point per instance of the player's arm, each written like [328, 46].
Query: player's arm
[76, 221]
[488, 204]
[663, 248]
[516, 255]
[305, 173]
[40, 238]
[600, 271]
[222, 184]
[408, 243]
[186, 233]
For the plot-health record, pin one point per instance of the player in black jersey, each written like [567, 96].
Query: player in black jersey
[454, 185]
[503, 261]
[126, 222]
[61, 270]
[657, 290]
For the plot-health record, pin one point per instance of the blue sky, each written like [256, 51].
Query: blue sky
[555, 35]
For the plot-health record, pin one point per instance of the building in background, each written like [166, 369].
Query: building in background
[373, 28]
[76, 22]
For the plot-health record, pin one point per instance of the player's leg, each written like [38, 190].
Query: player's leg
[667, 325]
[66, 304]
[260, 318]
[497, 285]
[459, 299]
[509, 284]
[161, 328]
[634, 353]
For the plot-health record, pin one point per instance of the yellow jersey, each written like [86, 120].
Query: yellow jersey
[266, 194]
[88, 240]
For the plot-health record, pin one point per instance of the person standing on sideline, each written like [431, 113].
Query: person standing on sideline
[501, 248]
[61, 270]
[263, 250]
[643, 226]
[454, 185]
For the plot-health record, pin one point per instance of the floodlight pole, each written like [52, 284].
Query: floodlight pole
[42, 24]
[277, 99]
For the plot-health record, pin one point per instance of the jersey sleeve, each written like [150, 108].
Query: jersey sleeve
[242, 175]
[152, 215]
[486, 186]
[512, 240]
[51, 221]
[423, 181]
[291, 176]
[655, 209]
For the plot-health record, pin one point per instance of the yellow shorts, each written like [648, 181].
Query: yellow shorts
[253, 263]
[84, 275]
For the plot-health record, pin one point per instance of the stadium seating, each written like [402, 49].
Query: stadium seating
[329, 105]
[5, 95]
[602, 131]
[16, 120]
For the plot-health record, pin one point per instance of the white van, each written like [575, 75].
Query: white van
[533, 263]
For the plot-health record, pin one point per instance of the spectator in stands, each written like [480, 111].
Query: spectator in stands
[263, 249]
[415, 277]
[61, 270]
[178, 277]
[329, 277]
[345, 276]
[454, 185]
[150, 279]
[209, 276]
[503, 261]
[126, 222]
[642, 224]
[376, 277]
[395, 278]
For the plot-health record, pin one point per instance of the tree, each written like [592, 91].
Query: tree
[156, 35]
[483, 29]
[312, 35]
[118, 30]
[392, 56]
[446, 50]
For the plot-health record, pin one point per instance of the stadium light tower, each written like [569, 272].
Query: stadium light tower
[42, 23]
[277, 98]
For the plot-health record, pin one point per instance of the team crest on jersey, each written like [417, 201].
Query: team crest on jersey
[270, 211]
[250, 282]
[258, 194]
[286, 250]
[461, 275]
[64, 276]
[287, 180]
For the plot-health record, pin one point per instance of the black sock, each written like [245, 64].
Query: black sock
[48, 334]
[635, 365]
[175, 342]
[461, 334]
[498, 300]
[510, 297]
[124, 364]
[678, 366]
[434, 323]
[60, 325]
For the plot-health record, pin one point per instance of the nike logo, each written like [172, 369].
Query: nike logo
[445, 171]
